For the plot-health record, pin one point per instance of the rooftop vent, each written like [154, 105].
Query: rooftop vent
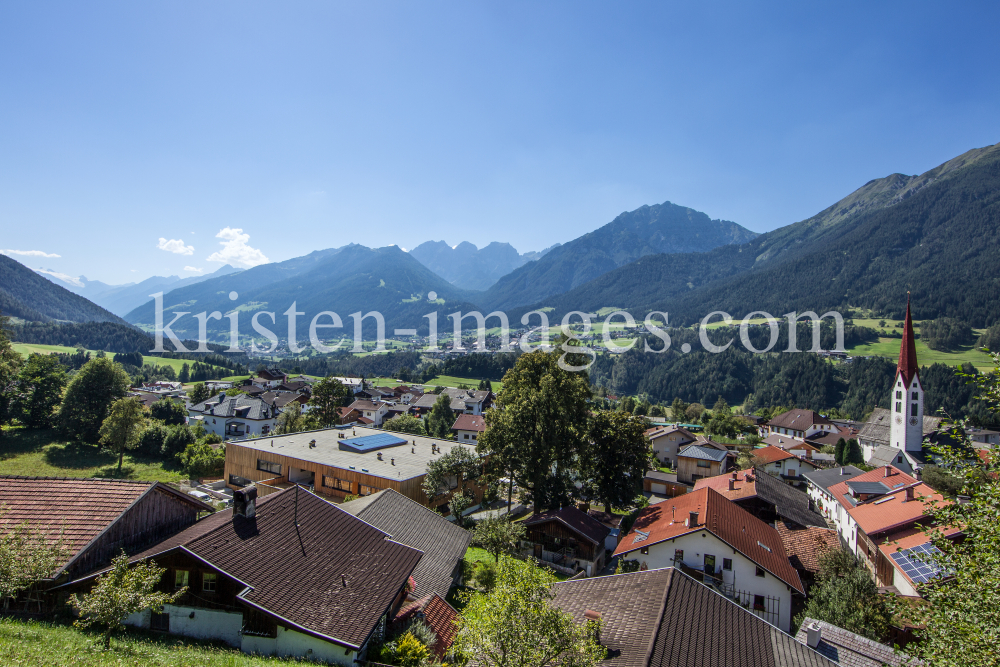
[379, 456]
[888, 471]
[732, 483]
[693, 519]
[312, 443]
[813, 635]
[763, 546]
[245, 502]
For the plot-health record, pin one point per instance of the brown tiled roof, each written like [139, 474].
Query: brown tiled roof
[71, 510]
[804, 546]
[663, 618]
[576, 520]
[726, 520]
[435, 612]
[443, 543]
[771, 454]
[799, 420]
[297, 572]
[469, 423]
[889, 510]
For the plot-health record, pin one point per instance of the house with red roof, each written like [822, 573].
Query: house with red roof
[439, 616]
[877, 515]
[722, 544]
[783, 464]
[468, 428]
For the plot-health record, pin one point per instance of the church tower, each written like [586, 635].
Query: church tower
[907, 404]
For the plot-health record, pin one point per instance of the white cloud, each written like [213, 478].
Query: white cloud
[62, 276]
[30, 253]
[235, 249]
[193, 269]
[175, 246]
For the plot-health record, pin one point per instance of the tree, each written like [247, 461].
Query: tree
[616, 458]
[121, 591]
[40, 386]
[459, 503]
[10, 367]
[678, 409]
[122, 429]
[439, 421]
[405, 424]
[627, 405]
[168, 411]
[846, 596]
[498, 536]
[201, 460]
[177, 439]
[199, 393]
[853, 454]
[839, 452]
[291, 420]
[942, 480]
[328, 395]
[694, 412]
[485, 385]
[410, 652]
[26, 557]
[537, 430]
[515, 624]
[89, 397]
[451, 470]
[185, 374]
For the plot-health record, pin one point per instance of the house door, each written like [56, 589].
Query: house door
[659, 488]
[709, 564]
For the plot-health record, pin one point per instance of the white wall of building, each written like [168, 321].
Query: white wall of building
[294, 644]
[207, 623]
[742, 577]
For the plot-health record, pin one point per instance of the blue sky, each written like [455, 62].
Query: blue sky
[310, 125]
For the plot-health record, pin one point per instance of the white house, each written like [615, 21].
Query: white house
[468, 428]
[732, 550]
[818, 485]
[668, 440]
[801, 424]
[375, 411]
[235, 417]
[783, 464]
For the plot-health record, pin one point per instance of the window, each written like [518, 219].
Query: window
[236, 480]
[208, 581]
[180, 578]
[269, 466]
[159, 622]
[704, 464]
[759, 572]
[644, 550]
[727, 563]
[466, 436]
[364, 490]
[913, 410]
[678, 554]
[265, 429]
[899, 394]
[899, 406]
[916, 395]
[758, 603]
[335, 483]
[777, 464]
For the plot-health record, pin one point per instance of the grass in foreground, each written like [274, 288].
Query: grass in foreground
[43, 453]
[41, 644]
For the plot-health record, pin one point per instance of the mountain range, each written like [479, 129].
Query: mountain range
[936, 235]
[473, 268]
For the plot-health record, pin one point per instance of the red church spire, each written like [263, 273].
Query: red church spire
[907, 365]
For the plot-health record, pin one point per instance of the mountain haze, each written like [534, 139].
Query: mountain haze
[469, 267]
[28, 295]
[660, 228]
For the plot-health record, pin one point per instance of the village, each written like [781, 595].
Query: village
[332, 540]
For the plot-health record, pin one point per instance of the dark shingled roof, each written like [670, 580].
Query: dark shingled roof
[444, 544]
[704, 453]
[295, 572]
[663, 618]
[790, 503]
[576, 520]
[241, 405]
[827, 477]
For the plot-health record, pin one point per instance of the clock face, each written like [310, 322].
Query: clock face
[913, 421]
[899, 420]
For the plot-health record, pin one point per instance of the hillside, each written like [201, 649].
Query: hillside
[27, 295]
[936, 234]
[344, 280]
[661, 228]
[469, 267]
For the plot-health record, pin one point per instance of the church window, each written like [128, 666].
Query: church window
[913, 410]
[916, 395]
[899, 406]
[899, 394]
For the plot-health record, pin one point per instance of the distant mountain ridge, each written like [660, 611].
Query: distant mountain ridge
[660, 228]
[29, 296]
[472, 268]
[936, 235]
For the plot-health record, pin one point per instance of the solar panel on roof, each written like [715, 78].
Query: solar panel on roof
[369, 443]
[913, 562]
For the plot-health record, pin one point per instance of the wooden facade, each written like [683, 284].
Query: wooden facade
[158, 514]
[333, 482]
[690, 470]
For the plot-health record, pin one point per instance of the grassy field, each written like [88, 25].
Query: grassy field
[35, 644]
[42, 453]
[30, 348]
[889, 347]
[451, 381]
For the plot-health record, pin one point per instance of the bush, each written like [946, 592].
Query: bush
[177, 440]
[202, 460]
[941, 480]
[168, 411]
[151, 441]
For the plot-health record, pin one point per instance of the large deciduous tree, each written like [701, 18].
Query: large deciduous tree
[538, 429]
[498, 536]
[40, 387]
[441, 418]
[515, 625]
[199, 392]
[617, 456]
[451, 471]
[405, 424]
[846, 596]
[10, 367]
[27, 555]
[122, 429]
[89, 396]
[328, 395]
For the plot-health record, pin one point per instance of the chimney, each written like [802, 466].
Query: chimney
[842, 471]
[736, 474]
[593, 616]
[909, 494]
[813, 635]
[245, 502]
[392, 461]
[888, 471]
[693, 518]
[732, 483]
[379, 456]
